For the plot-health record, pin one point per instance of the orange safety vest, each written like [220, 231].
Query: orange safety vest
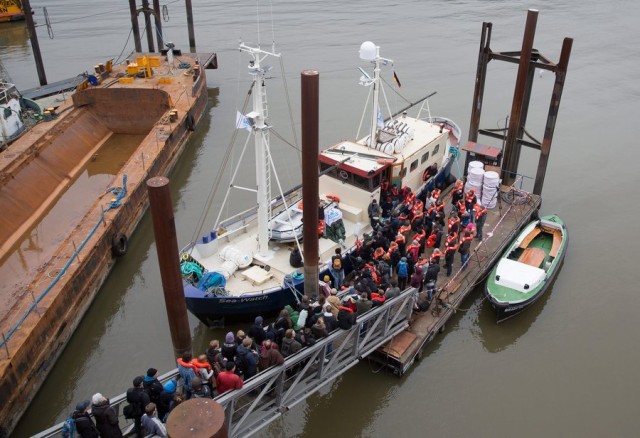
[435, 193]
[410, 198]
[418, 206]
[378, 253]
[452, 222]
[377, 297]
[452, 237]
[187, 365]
[420, 236]
[431, 241]
[404, 229]
[480, 211]
[400, 239]
[417, 215]
[392, 247]
[199, 364]
[451, 248]
[461, 207]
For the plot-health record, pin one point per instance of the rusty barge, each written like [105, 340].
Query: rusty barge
[72, 190]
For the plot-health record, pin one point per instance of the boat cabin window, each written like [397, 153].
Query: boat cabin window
[436, 149]
[414, 166]
[369, 184]
[425, 157]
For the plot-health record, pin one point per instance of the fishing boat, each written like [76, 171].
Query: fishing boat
[528, 266]
[246, 265]
[17, 114]
[11, 10]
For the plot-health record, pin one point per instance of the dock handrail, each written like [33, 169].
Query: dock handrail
[279, 388]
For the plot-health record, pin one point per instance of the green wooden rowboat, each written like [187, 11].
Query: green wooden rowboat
[528, 266]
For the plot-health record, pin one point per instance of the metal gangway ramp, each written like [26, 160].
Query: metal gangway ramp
[265, 397]
[271, 393]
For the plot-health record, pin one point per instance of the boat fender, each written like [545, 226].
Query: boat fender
[119, 245]
[191, 122]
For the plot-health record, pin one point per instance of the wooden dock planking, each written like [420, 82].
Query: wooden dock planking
[401, 351]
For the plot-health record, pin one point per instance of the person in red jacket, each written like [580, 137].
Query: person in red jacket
[228, 379]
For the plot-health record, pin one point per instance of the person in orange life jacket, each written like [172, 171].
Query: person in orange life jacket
[470, 200]
[401, 241]
[228, 379]
[465, 247]
[435, 256]
[453, 224]
[458, 192]
[440, 213]
[373, 211]
[384, 188]
[430, 172]
[451, 247]
[418, 205]
[421, 238]
[480, 213]
[418, 220]
[395, 195]
[346, 315]
[460, 207]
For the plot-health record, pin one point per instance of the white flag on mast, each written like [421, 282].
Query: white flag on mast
[242, 122]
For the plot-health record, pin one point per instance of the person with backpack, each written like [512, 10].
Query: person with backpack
[336, 270]
[138, 399]
[289, 344]
[106, 417]
[152, 385]
[403, 273]
[215, 358]
[80, 423]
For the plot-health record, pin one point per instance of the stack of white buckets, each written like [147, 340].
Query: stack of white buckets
[485, 184]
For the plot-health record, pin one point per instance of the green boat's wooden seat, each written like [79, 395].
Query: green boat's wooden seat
[557, 241]
[532, 257]
[532, 235]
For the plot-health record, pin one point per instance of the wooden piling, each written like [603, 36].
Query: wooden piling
[310, 80]
[146, 10]
[35, 46]
[192, 35]
[135, 29]
[167, 248]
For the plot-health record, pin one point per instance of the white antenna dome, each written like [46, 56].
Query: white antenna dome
[368, 51]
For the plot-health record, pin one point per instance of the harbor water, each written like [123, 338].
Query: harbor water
[564, 367]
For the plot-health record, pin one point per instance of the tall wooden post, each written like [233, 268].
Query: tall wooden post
[135, 29]
[192, 35]
[147, 25]
[156, 15]
[310, 80]
[512, 147]
[164, 229]
[35, 46]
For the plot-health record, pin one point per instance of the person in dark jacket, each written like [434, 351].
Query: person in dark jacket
[346, 316]
[139, 399]
[247, 359]
[229, 347]
[256, 332]
[84, 424]
[167, 400]
[106, 417]
[152, 385]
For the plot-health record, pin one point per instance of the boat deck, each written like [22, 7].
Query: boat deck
[51, 269]
[501, 226]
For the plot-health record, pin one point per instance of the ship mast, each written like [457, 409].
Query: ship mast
[370, 52]
[260, 129]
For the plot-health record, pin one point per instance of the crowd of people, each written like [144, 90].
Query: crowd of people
[404, 249]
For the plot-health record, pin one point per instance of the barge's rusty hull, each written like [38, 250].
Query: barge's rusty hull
[33, 174]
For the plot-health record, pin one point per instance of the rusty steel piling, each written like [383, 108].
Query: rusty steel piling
[310, 80]
[164, 229]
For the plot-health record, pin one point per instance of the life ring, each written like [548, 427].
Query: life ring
[191, 123]
[119, 245]
[334, 198]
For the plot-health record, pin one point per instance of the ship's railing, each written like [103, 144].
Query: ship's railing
[269, 394]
